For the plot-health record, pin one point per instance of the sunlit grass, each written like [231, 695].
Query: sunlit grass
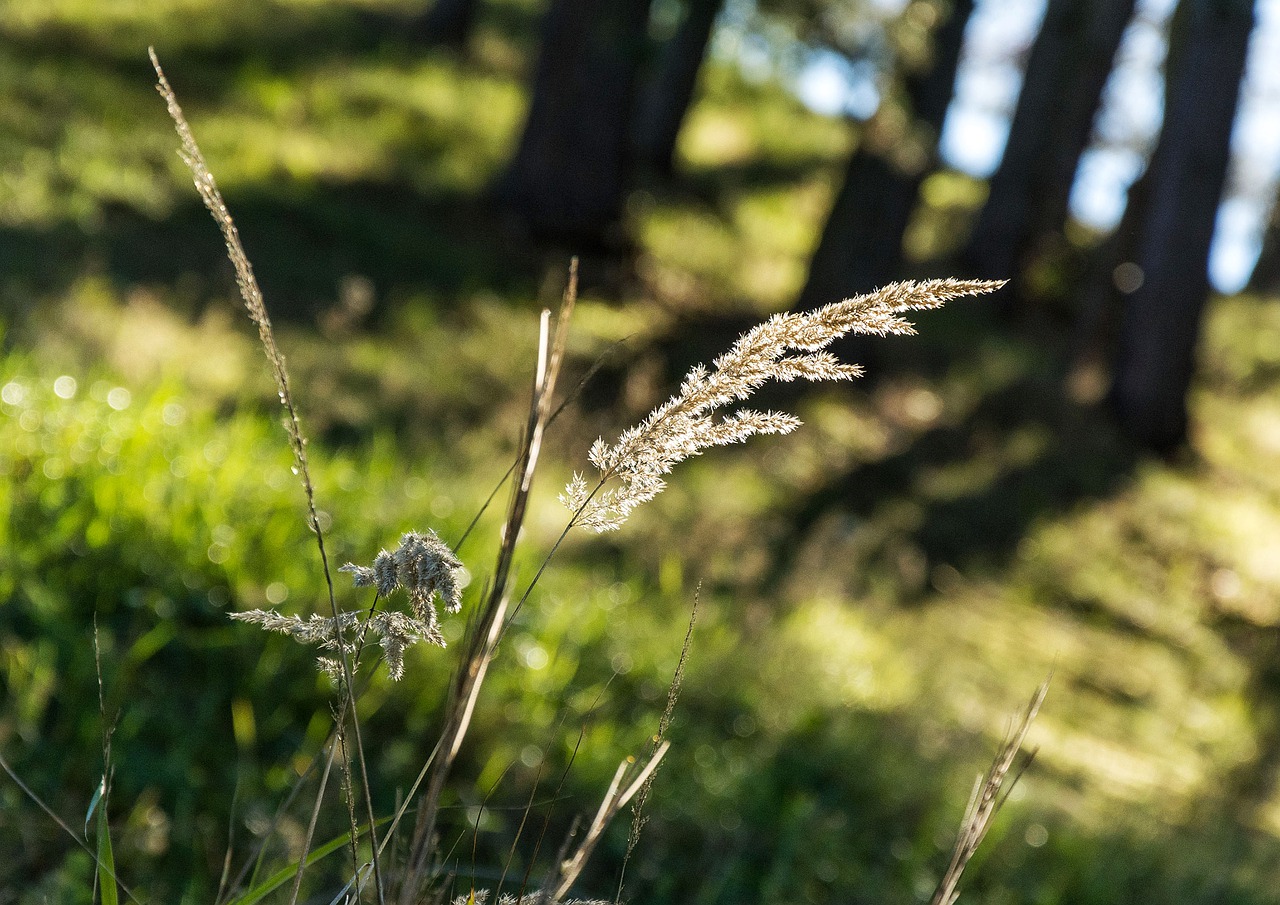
[1120, 595]
[762, 167]
[833, 717]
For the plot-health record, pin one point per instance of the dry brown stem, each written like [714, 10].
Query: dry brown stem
[491, 619]
[250, 292]
[989, 794]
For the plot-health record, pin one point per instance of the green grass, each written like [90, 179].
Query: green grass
[879, 590]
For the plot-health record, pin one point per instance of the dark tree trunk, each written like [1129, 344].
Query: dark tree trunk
[568, 175]
[447, 22]
[1108, 274]
[861, 244]
[1161, 321]
[1065, 75]
[667, 99]
[1266, 273]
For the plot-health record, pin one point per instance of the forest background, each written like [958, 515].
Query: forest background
[1075, 476]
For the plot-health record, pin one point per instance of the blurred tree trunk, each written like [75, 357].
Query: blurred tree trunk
[568, 175]
[1266, 273]
[861, 244]
[447, 22]
[667, 99]
[1066, 72]
[1161, 320]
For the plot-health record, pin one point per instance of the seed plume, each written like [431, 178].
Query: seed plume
[786, 347]
[423, 565]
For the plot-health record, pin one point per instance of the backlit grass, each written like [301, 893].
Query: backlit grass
[877, 594]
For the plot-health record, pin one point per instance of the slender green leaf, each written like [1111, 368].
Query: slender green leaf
[93, 804]
[106, 860]
[273, 882]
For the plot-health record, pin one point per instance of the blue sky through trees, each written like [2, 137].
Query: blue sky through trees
[996, 43]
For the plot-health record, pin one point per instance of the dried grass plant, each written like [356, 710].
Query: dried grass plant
[207, 187]
[631, 471]
[786, 347]
[990, 792]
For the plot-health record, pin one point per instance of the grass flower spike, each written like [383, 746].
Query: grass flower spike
[423, 565]
[786, 347]
[395, 632]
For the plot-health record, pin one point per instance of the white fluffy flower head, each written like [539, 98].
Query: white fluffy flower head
[423, 565]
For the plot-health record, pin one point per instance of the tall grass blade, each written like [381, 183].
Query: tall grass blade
[638, 818]
[93, 806]
[284, 875]
[62, 824]
[989, 794]
[106, 858]
[491, 620]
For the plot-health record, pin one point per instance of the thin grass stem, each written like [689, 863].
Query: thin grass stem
[989, 794]
[256, 307]
[490, 623]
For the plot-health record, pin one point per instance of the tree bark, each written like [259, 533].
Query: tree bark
[861, 244]
[1161, 321]
[667, 99]
[1065, 75]
[567, 178]
[1265, 279]
[447, 22]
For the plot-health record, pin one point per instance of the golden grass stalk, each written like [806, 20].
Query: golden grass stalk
[250, 292]
[786, 347]
[627, 782]
[989, 795]
[491, 619]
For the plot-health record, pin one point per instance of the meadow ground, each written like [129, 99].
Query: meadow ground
[878, 590]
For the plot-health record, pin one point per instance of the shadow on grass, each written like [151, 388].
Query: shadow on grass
[715, 186]
[210, 46]
[981, 522]
[1251, 783]
[80, 88]
[303, 242]
[846, 807]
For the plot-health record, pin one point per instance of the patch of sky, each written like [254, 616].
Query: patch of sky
[833, 85]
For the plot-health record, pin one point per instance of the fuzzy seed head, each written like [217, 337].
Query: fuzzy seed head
[786, 347]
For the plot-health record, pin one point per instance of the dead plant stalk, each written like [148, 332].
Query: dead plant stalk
[250, 292]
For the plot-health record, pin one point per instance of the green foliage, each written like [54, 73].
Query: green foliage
[286, 874]
[877, 594]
